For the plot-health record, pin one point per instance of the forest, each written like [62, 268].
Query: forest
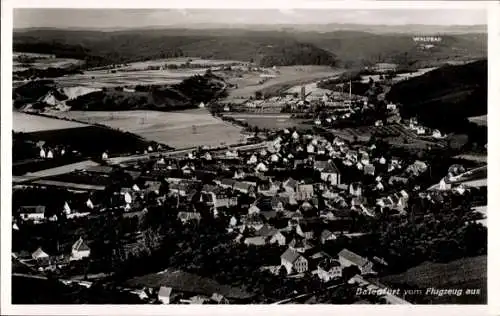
[347, 49]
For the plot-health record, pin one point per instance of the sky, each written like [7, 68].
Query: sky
[135, 18]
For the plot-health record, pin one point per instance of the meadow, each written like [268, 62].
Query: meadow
[28, 123]
[481, 120]
[184, 129]
[271, 121]
[178, 62]
[41, 61]
[107, 78]
[286, 78]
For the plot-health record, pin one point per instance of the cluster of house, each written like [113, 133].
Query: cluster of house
[48, 152]
[44, 262]
[167, 295]
[421, 130]
[220, 180]
[327, 268]
[266, 200]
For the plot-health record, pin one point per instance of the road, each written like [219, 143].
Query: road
[118, 160]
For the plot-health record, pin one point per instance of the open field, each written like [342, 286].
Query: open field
[27, 123]
[466, 273]
[179, 61]
[270, 121]
[106, 78]
[288, 77]
[187, 282]
[481, 120]
[177, 129]
[365, 132]
[41, 61]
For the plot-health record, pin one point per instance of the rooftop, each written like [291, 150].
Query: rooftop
[353, 257]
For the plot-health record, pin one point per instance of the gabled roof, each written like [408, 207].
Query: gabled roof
[290, 255]
[242, 185]
[256, 240]
[352, 257]
[80, 245]
[39, 253]
[217, 297]
[290, 183]
[331, 168]
[268, 214]
[229, 182]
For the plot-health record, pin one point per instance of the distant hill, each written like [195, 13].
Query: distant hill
[329, 27]
[263, 48]
[285, 46]
[445, 97]
[187, 94]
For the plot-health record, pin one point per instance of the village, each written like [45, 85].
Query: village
[301, 192]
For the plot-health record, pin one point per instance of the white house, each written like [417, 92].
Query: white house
[437, 134]
[79, 250]
[294, 262]
[39, 254]
[128, 198]
[329, 269]
[89, 204]
[329, 172]
[261, 167]
[253, 210]
[391, 106]
[66, 208]
[278, 238]
[164, 294]
[252, 160]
